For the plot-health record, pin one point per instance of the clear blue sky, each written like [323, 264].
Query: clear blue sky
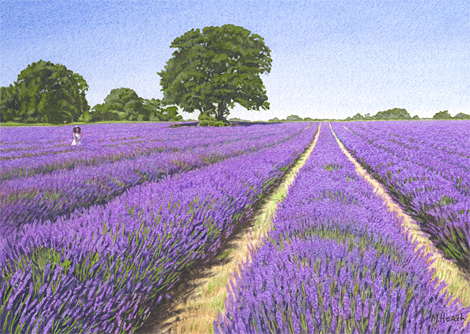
[331, 58]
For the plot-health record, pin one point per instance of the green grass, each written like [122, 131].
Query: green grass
[15, 124]
[331, 167]
[226, 253]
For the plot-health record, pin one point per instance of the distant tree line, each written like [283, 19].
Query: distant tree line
[295, 118]
[210, 72]
[445, 115]
[390, 114]
[50, 93]
[397, 113]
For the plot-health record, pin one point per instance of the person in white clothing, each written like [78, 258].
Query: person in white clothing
[77, 136]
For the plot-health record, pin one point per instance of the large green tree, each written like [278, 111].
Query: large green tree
[44, 92]
[214, 69]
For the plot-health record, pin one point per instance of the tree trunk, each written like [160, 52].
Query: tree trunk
[221, 108]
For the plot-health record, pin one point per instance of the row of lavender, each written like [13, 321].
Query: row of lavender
[426, 167]
[105, 270]
[336, 262]
[45, 197]
[104, 143]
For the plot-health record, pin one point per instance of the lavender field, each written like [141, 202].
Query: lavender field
[95, 237]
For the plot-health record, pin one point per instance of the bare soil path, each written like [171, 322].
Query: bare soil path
[196, 302]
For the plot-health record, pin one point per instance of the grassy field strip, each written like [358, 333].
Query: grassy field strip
[445, 270]
[202, 307]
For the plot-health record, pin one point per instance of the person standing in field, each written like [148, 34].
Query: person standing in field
[77, 136]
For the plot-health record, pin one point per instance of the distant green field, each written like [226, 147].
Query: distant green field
[77, 123]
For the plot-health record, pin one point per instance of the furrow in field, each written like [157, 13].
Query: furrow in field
[446, 271]
[196, 309]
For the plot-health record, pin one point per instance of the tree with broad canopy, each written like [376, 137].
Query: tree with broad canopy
[44, 92]
[212, 70]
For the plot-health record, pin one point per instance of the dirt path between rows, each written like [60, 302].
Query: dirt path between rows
[196, 303]
[445, 270]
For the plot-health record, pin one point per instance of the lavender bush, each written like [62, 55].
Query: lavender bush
[336, 262]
